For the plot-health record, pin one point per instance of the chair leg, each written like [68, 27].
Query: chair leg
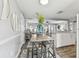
[27, 52]
[48, 52]
[32, 49]
[54, 55]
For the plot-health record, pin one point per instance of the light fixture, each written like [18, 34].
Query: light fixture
[43, 2]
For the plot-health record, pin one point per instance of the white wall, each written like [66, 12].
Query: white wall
[15, 9]
[10, 42]
[1, 5]
[5, 27]
[10, 48]
[74, 24]
[78, 35]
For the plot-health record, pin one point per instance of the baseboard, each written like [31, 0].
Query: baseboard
[19, 51]
[65, 45]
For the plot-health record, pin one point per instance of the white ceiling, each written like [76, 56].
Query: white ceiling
[30, 7]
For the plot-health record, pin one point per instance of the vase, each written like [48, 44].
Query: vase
[40, 29]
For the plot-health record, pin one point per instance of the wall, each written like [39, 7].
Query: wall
[78, 35]
[10, 48]
[5, 28]
[15, 9]
[1, 5]
[74, 24]
[9, 42]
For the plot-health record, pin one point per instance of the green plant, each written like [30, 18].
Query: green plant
[41, 18]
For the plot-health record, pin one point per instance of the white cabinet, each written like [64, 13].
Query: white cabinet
[65, 38]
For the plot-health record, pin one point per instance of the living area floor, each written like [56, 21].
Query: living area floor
[67, 51]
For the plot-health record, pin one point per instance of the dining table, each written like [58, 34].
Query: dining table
[38, 42]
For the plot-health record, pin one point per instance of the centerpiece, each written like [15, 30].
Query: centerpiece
[40, 25]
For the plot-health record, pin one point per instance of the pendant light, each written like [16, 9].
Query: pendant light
[43, 2]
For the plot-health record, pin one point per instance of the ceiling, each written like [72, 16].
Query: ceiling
[51, 10]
